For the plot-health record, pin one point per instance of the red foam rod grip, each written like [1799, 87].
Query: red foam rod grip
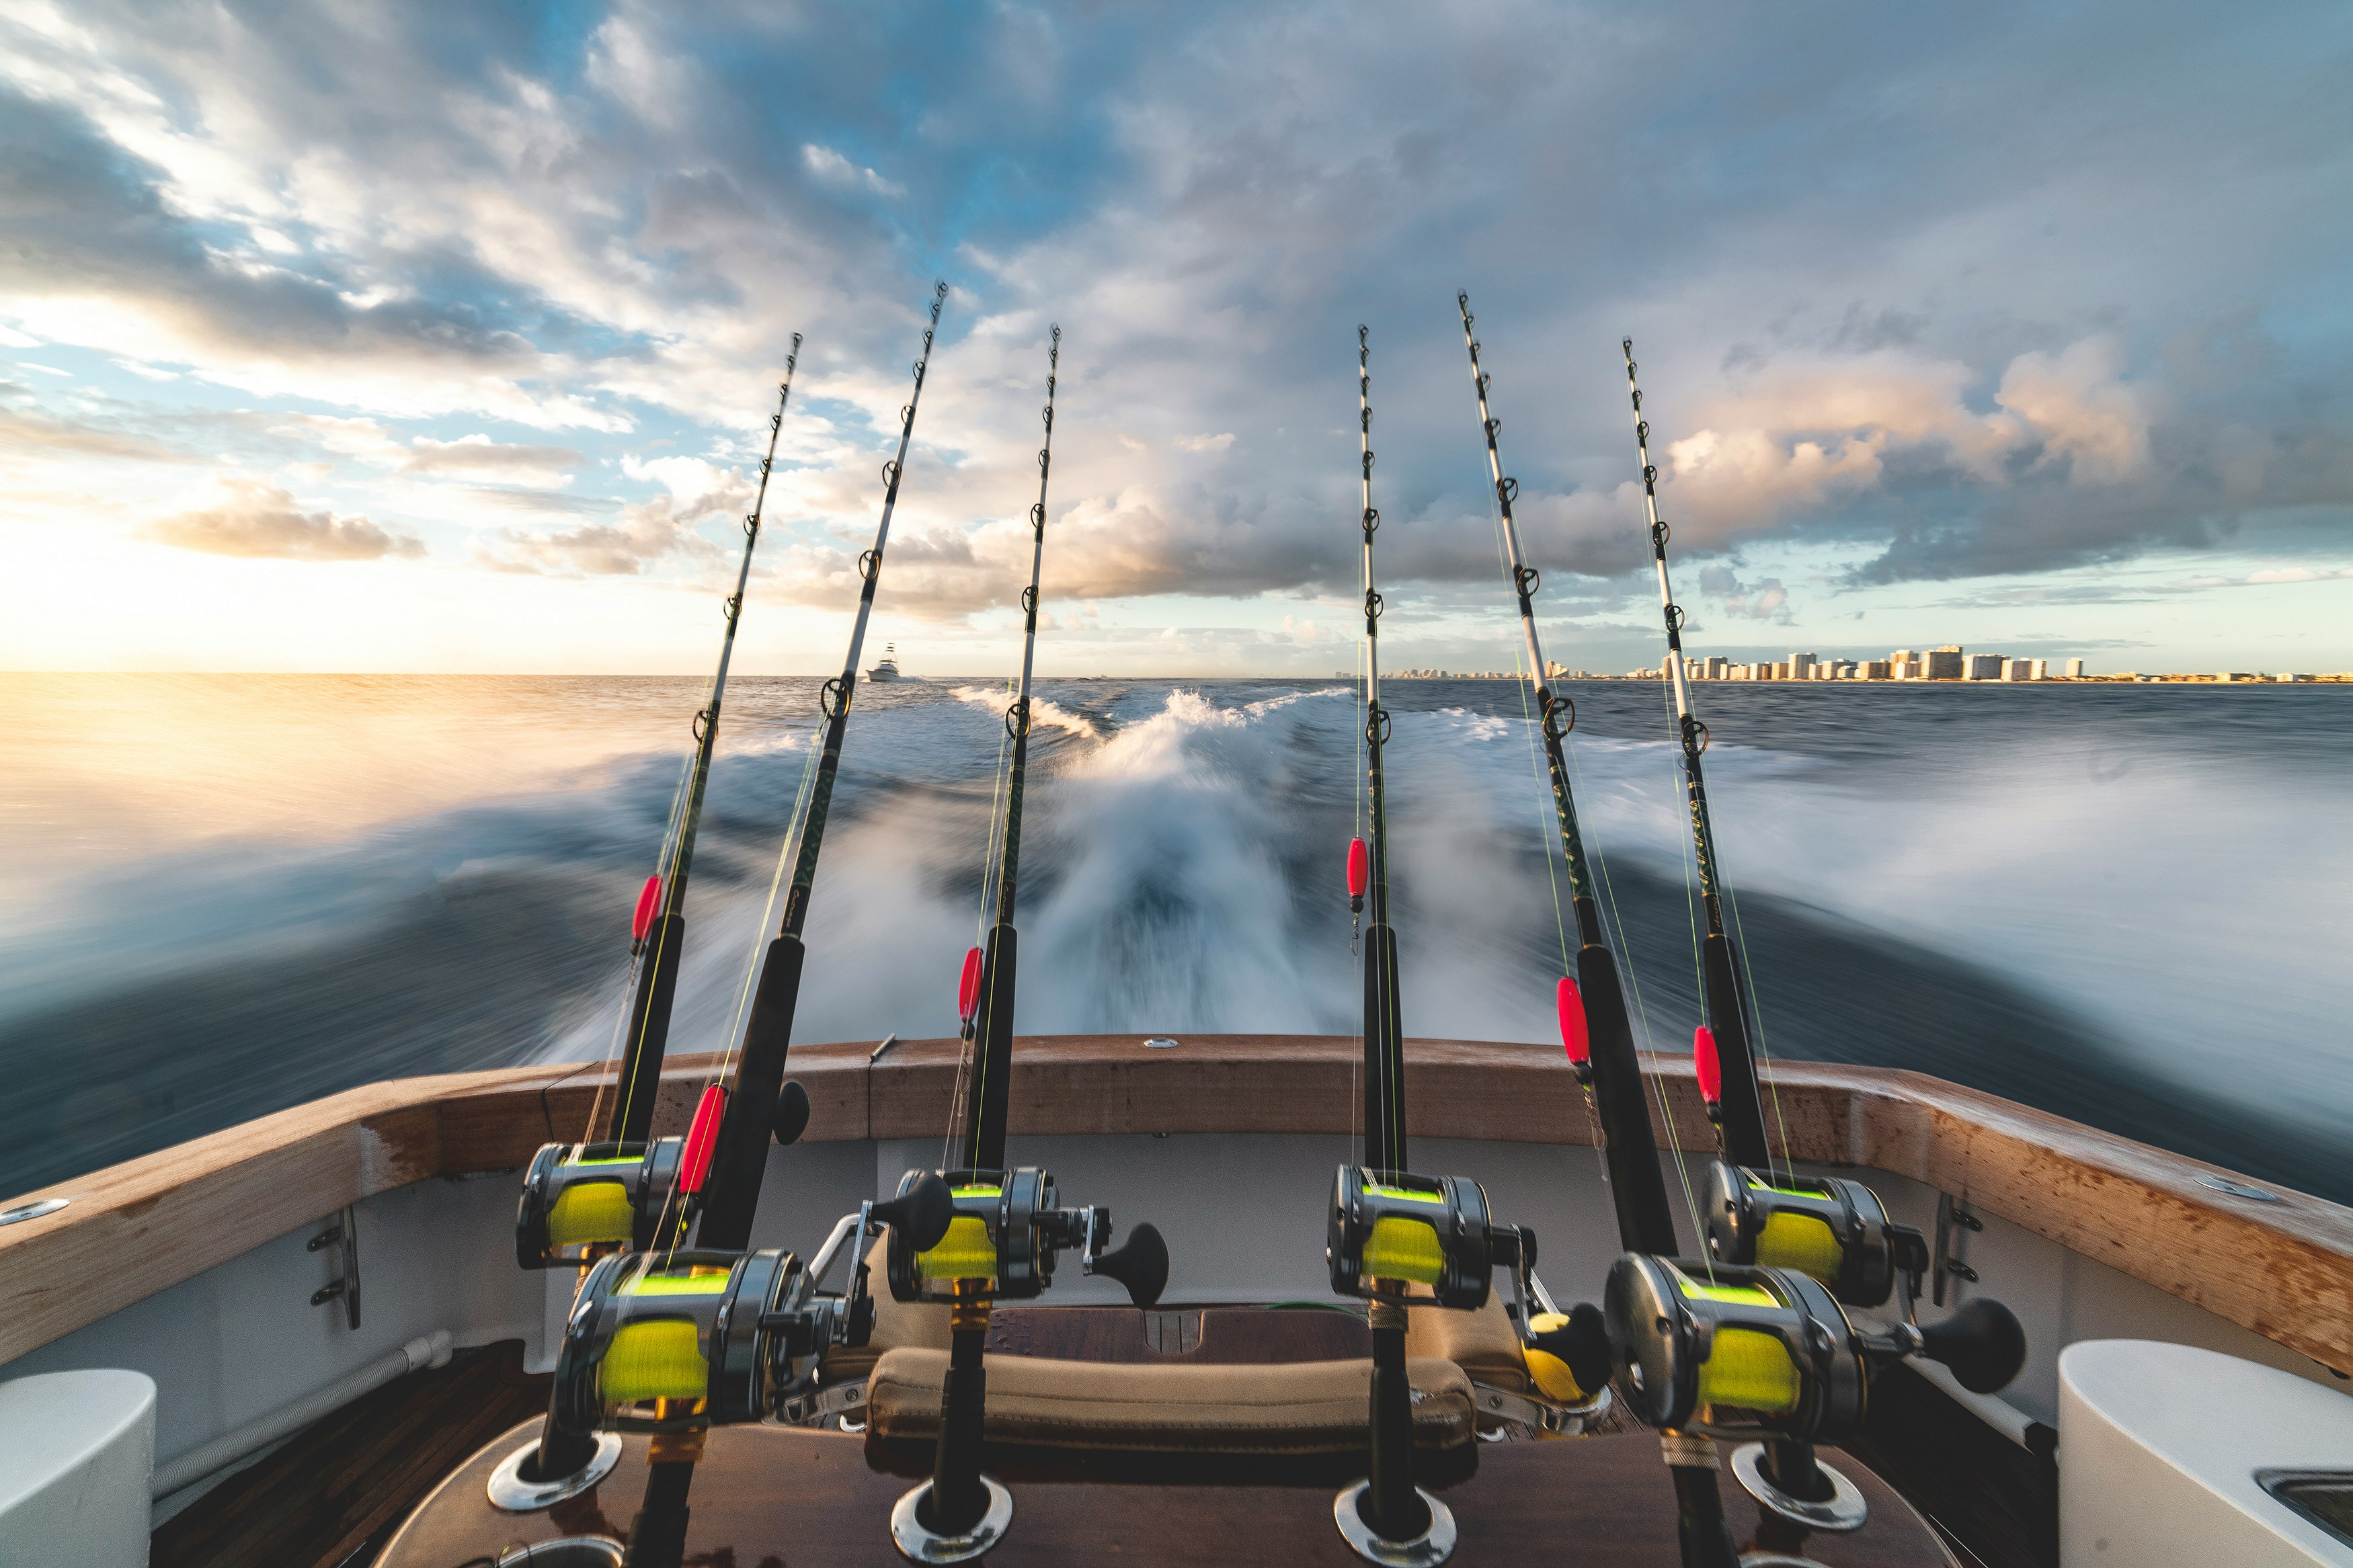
[648, 900]
[969, 985]
[1359, 868]
[1574, 1038]
[701, 1139]
[1711, 1071]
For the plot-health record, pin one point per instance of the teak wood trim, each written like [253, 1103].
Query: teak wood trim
[2283, 1269]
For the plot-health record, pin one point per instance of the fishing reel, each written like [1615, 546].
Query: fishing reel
[579, 1199]
[1834, 1230]
[1391, 1231]
[1001, 1242]
[1738, 1350]
[670, 1342]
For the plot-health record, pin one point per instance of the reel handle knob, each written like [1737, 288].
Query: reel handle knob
[923, 1213]
[792, 1112]
[1141, 1264]
[1981, 1344]
[1580, 1341]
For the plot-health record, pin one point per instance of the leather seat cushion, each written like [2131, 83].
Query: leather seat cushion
[1299, 1407]
[1483, 1343]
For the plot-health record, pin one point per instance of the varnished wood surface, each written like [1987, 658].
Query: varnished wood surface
[335, 1492]
[768, 1497]
[2283, 1269]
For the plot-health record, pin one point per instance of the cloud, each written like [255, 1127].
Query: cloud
[1763, 600]
[1216, 443]
[478, 457]
[830, 168]
[258, 521]
[646, 533]
[25, 434]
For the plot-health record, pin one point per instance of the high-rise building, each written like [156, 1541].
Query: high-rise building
[1942, 664]
[2038, 669]
[2017, 669]
[2075, 669]
[1984, 667]
[1799, 665]
[1716, 666]
[1876, 670]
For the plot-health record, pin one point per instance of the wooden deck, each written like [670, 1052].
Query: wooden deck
[333, 1495]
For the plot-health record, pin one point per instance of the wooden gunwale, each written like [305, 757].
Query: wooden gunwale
[2281, 1269]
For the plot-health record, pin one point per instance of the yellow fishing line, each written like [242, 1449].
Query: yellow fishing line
[965, 1253]
[657, 1360]
[1803, 1242]
[1402, 1248]
[1750, 1369]
[588, 1212]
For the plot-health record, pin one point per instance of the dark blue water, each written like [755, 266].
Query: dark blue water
[227, 895]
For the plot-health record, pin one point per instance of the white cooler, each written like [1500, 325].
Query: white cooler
[77, 1449]
[2165, 1452]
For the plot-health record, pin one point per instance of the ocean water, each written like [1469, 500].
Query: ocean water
[224, 895]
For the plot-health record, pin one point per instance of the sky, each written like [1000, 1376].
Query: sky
[395, 335]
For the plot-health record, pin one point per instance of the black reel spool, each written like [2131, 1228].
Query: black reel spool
[1737, 1350]
[581, 1199]
[1006, 1227]
[1831, 1230]
[1390, 1229]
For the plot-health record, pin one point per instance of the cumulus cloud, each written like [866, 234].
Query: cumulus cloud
[478, 457]
[1763, 600]
[258, 521]
[830, 168]
[643, 536]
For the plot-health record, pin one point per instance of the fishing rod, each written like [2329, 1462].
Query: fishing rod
[662, 937]
[743, 1133]
[1593, 1006]
[1726, 1069]
[1726, 1034]
[739, 1158]
[984, 1142]
[1384, 1030]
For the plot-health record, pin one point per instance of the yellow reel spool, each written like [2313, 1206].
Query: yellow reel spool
[965, 1253]
[1803, 1242]
[1404, 1249]
[1751, 1369]
[659, 1360]
[589, 1212]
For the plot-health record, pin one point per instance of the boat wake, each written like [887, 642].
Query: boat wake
[1976, 913]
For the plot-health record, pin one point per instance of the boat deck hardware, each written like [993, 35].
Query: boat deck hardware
[566, 1552]
[1434, 1545]
[344, 1234]
[33, 1210]
[1952, 1214]
[918, 1543]
[1843, 1510]
[2238, 1189]
[511, 1493]
[1159, 1042]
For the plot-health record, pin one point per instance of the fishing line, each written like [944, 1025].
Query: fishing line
[1596, 1032]
[982, 1105]
[1726, 986]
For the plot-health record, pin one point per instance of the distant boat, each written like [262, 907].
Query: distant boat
[887, 666]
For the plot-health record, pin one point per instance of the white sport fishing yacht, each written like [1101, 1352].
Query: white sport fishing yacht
[886, 667]
[1378, 1299]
